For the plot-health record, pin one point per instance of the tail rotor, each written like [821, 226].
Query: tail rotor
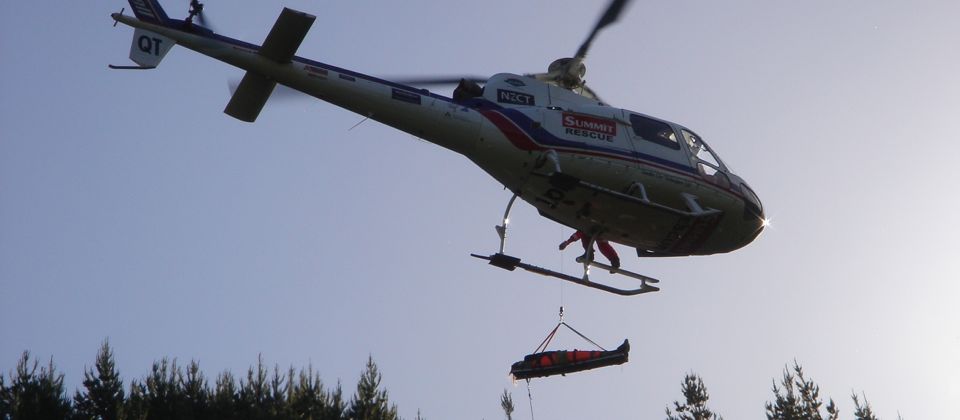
[196, 11]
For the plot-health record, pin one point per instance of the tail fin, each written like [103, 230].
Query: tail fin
[149, 11]
[148, 48]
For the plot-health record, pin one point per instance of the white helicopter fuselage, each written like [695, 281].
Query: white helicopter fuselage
[616, 174]
[613, 149]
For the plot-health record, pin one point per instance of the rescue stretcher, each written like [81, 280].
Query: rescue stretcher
[562, 362]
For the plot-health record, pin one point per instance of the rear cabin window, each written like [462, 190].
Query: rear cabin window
[654, 131]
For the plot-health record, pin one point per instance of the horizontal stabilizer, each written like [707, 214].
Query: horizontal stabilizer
[280, 46]
[251, 95]
[287, 34]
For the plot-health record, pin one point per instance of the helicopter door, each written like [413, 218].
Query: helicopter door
[597, 129]
[654, 138]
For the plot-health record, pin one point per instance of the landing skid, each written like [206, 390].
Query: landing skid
[614, 270]
[510, 263]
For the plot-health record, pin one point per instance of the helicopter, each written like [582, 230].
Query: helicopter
[612, 174]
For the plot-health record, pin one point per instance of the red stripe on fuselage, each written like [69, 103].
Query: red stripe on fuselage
[510, 130]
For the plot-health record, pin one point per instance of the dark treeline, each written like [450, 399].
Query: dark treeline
[794, 398]
[171, 391]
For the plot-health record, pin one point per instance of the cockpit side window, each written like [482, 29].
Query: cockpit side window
[654, 131]
[707, 163]
[700, 150]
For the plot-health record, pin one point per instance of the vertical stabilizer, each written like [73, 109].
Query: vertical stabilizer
[149, 48]
[149, 11]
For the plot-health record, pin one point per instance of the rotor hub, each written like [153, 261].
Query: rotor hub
[568, 72]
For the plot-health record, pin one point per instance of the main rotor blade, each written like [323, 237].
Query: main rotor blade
[609, 16]
[435, 80]
[590, 93]
[542, 76]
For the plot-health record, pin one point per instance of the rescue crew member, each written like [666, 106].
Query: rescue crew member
[604, 246]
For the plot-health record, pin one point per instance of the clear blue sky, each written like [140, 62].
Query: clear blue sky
[132, 208]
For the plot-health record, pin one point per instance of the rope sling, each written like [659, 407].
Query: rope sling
[546, 342]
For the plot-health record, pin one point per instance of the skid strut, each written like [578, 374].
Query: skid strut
[502, 229]
[511, 263]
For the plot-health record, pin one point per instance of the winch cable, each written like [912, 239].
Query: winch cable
[560, 253]
[530, 396]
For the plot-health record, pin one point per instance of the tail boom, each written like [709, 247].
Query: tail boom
[423, 114]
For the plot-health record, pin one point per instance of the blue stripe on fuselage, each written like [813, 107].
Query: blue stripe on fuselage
[541, 137]
[545, 138]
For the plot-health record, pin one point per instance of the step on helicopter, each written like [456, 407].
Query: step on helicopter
[613, 174]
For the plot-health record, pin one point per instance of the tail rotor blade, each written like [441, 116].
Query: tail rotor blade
[196, 10]
[202, 19]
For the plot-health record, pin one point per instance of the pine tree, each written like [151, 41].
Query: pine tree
[337, 407]
[135, 407]
[306, 397]
[102, 397]
[695, 405]
[5, 409]
[224, 399]
[799, 399]
[254, 395]
[195, 393]
[276, 401]
[506, 402]
[370, 402]
[32, 395]
[863, 412]
[160, 395]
